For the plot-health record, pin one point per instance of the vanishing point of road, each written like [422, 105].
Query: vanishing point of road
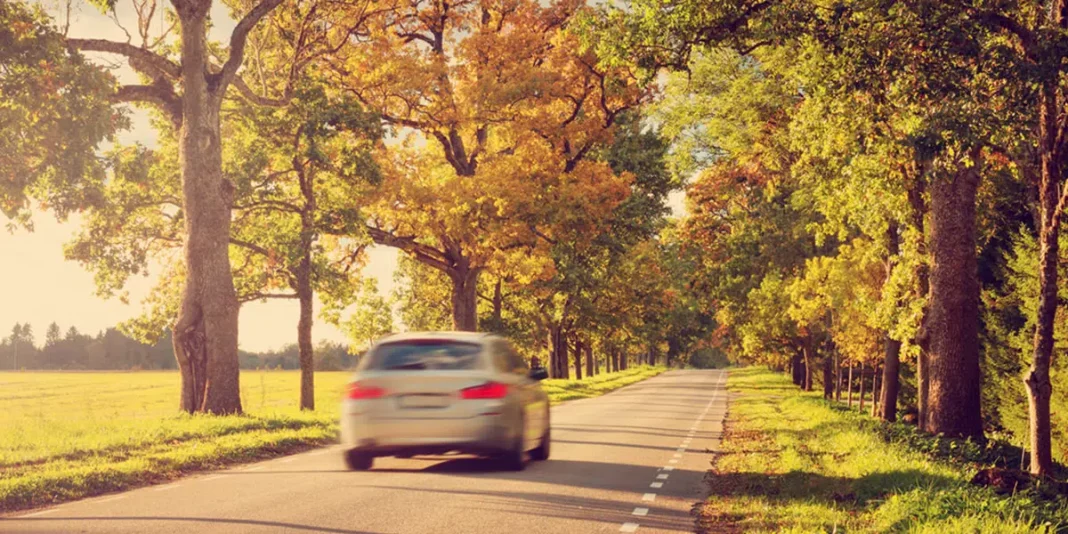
[633, 460]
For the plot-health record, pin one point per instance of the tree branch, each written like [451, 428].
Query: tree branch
[250, 246]
[251, 96]
[159, 94]
[139, 58]
[260, 296]
[425, 254]
[238, 39]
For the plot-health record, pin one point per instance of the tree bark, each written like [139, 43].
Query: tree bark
[849, 386]
[954, 378]
[891, 380]
[861, 407]
[590, 371]
[205, 334]
[828, 378]
[797, 374]
[875, 392]
[464, 298]
[806, 383]
[304, 345]
[837, 375]
[891, 347]
[917, 213]
[1039, 385]
[558, 367]
[498, 304]
[579, 349]
[304, 289]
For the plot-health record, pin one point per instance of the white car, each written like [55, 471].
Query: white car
[440, 392]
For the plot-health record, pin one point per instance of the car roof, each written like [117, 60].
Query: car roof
[470, 337]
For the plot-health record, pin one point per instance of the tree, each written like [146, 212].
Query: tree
[188, 87]
[298, 164]
[371, 319]
[509, 104]
[52, 336]
[55, 112]
[1039, 33]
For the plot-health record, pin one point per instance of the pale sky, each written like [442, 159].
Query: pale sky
[39, 287]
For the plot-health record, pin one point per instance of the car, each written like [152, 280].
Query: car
[434, 393]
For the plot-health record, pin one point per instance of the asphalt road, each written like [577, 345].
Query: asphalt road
[630, 461]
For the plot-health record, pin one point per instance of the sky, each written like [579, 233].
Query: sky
[38, 286]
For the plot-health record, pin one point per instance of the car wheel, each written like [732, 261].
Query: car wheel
[542, 452]
[516, 459]
[358, 461]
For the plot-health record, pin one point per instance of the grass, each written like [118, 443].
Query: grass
[66, 436]
[792, 462]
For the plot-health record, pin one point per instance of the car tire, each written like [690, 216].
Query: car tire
[516, 459]
[541, 453]
[358, 461]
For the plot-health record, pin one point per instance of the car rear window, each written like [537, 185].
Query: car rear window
[425, 355]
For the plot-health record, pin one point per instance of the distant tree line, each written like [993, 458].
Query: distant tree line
[110, 349]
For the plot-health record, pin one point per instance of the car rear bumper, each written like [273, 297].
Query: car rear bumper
[481, 435]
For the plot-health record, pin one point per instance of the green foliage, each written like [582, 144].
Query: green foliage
[371, 319]
[54, 113]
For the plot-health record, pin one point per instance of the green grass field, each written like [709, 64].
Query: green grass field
[65, 436]
[792, 462]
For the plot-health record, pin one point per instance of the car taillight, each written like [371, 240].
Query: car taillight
[489, 390]
[359, 391]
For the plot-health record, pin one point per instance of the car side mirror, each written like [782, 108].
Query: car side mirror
[538, 373]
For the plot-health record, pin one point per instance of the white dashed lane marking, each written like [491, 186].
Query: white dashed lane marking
[649, 497]
[167, 487]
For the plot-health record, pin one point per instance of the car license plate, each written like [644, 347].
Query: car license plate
[424, 401]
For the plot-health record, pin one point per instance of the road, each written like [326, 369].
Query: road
[630, 461]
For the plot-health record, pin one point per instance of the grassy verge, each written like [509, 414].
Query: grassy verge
[66, 436]
[565, 390]
[792, 462]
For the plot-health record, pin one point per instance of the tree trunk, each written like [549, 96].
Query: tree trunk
[837, 376]
[849, 385]
[558, 353]
[875, 390]
[891, 347]
[806, 383]
[918, 212]
[796, 372]
[861, 407]
[579, 349]
[891, 380]
[464, 299]
[828, 378]
[1039, 385]
[589, 359]
[498, 305]
[205, 334]
[304, 288]
[305, 348]
[954, 381]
